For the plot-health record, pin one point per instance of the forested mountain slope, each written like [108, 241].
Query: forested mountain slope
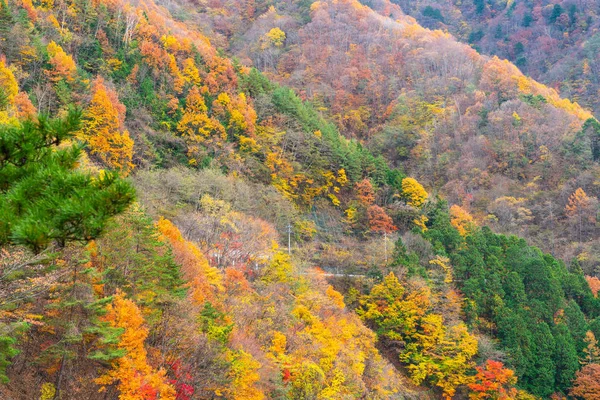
[555, 42]
[488, 138]
[167, 211]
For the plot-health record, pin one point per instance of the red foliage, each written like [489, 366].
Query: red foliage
[183, 377]
[493, 381]
[379, 221]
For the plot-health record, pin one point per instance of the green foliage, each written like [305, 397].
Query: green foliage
[556, 12]
[434, 13]
[215, 323]
[350, 155]
[255, 83]
[139, 263]
[531, 301]
[8, 341]
[43, 198]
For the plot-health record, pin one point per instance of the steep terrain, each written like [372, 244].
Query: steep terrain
[555, 42]
[176, 224]
[488, 138]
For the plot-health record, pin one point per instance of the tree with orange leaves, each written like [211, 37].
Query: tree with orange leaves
[137, 380]
[594, 283]
[63, 66]
[580, 209]
[24, 108]
[493, 381]
[461, 220]
[364, 192]
[379, 221]
[587, 383]
[205, 281]
[101, 129]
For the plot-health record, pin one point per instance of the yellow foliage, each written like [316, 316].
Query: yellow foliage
[223, 99]
[351, 215]
[335, 296]
[413, 192]
[275, 37]
[170, 43]
[342, 179]
[279, 343]
[420, 222]
[461, 220]
[8, 83]
[279, 270]
[63, 66]
[48, 391]
[100, 129]
[432, 351]
[444, 264]
[248, 144]
[196, 127]
[244, 376]
[191, 73]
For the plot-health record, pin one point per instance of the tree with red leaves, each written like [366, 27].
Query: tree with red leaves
[493, 381]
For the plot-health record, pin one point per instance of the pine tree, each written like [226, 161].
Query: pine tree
[43, 198]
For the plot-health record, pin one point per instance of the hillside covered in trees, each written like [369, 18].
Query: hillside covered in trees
[286, 200]
[555, 42]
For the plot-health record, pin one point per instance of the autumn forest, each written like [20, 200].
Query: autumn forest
[298, 199]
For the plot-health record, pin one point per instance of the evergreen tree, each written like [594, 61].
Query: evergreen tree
[565, 358]
[43, 197]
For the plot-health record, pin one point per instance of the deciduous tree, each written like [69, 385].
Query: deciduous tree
[102, 130]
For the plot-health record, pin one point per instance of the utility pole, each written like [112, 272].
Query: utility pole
[385, 246]
[289, 227]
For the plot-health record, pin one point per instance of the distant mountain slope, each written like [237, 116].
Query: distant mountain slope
[555, 42]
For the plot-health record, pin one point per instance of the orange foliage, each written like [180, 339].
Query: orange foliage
[24, 107]
[99, 84]
[461, 220]
[587, 383]
[63, 66]
[204, 281]
[101, 130]
[364, 192]
[379, 221]
[137, 380]
[594, 283]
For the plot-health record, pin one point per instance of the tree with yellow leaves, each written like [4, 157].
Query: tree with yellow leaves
[591, 351]
[197, 128]
[101, 130]
[431, 350]
[8, 91]
[275, 37]
[244, 376]
[461, 220]
[63, 66]
[190, 72]
[137, 380]
[413, 192]
[8, 85]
